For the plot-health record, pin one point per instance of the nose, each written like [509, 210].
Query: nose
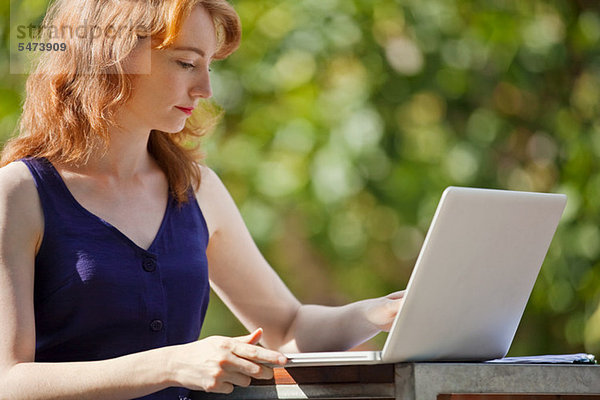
[201, 86]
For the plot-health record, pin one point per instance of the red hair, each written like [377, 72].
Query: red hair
[72, 96]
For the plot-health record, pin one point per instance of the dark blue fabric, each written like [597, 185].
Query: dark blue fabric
[98, 295]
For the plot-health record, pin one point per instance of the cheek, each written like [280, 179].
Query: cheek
[165, 87]
[149, 94]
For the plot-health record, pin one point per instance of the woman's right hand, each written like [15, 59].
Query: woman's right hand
[217, 364]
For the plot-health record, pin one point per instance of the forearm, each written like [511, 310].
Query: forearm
[322, 328]
[126, 377]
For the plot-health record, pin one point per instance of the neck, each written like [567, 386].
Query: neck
[127, 156]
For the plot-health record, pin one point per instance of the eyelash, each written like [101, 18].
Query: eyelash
[189, 66]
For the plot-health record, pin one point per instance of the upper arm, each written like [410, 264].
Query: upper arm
[21, 230]
[238, 272]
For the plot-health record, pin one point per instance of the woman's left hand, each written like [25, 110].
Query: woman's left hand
[381, 311]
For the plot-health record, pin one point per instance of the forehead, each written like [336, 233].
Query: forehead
[198, 30]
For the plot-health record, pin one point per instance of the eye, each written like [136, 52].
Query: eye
[186, 65]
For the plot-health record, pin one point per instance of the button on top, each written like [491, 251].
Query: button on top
[149, 264]
[156, 325]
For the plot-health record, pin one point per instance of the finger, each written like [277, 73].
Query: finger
[223, 387]
[259, 354]
[252, 338]
[396, 295]
[249, 368]
[255, 336]
[238, 379]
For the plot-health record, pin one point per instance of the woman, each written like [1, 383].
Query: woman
[110, 231]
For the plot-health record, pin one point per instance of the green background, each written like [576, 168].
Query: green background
[345, 120]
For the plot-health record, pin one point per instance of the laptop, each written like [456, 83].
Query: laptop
[471, 281]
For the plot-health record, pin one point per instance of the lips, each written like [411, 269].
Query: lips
[187, 110]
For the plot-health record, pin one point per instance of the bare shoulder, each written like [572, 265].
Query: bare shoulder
[20, 207]
[211, 186]
[214, 200]
[16, 184]
[208, 175]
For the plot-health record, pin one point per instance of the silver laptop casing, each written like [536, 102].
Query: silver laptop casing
[471, 281]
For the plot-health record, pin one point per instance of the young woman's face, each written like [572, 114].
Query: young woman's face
[178, 79]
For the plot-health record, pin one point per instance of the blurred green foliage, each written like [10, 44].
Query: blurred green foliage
[346, 119]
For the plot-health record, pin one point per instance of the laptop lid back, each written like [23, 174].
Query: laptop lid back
[474, 274]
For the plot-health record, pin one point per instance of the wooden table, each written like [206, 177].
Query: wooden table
[425, 381]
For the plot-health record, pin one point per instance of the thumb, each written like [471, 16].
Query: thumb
[396, 295]
[252, 338]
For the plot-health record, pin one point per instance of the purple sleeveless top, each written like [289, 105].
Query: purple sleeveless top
[98, 295]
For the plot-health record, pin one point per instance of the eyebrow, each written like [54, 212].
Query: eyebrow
[190, 48]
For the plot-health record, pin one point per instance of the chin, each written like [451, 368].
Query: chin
[173, 128]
